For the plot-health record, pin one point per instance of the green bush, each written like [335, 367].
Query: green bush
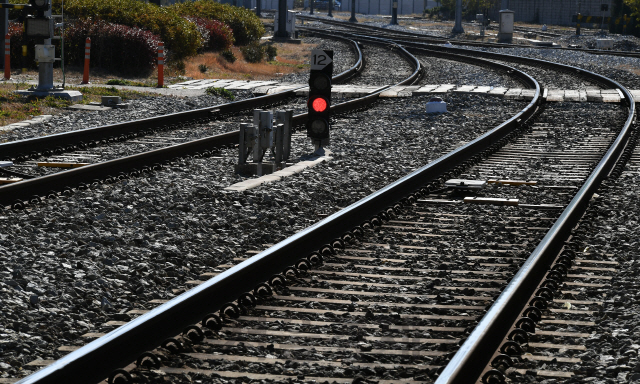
[253, 53]
[228, 55]
[271, 52]
[178, 67]
[180, 36]
[216, 35]
[246, 26]
[227, 94]
[122, 49]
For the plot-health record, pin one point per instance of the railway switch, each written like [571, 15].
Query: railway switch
[319, 103]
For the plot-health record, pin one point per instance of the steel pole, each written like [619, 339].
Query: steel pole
[458, 27]
[4, 20]
[394, 12]
[353, 12]
[282, 19]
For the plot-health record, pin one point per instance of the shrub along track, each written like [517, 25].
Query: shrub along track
[394, 250]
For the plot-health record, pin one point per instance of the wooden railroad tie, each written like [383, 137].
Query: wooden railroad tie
[9, 180]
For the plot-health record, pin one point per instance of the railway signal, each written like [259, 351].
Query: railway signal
[319, 102]
[39, 23]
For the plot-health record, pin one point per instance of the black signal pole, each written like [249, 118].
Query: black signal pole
[311, 6]
[282, 19]
[330, 6]
[394, 12]
[258, 8]
[353, 12]
[4, 23]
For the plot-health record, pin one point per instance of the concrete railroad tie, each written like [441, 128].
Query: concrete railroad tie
[588, 94]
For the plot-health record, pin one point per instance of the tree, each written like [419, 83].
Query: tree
[634, 7]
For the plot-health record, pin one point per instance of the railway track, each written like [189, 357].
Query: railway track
[146, 131]
[394, 296]
[398, 35]
[153, 132]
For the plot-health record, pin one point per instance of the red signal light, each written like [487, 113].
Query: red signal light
[319, 104]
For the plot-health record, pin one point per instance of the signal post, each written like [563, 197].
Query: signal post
[319, 103]
[39, 24]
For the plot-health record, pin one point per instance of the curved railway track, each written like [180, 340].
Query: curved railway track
[64, 182]
[397, 34]
[414, 283]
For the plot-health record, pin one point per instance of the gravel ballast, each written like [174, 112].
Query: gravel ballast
[69, 267]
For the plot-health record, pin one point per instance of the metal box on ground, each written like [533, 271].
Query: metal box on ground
[505, 34]
[436, 105]
[604, 43]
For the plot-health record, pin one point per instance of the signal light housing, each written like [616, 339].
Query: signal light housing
[40, 6]
[319, 103]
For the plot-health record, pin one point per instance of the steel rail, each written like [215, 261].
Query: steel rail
[388, 32]
[16, 193]
[88, 364]
[461, 55]
[474, 355]
[372, 97]
[61, 181]
[576, 71]
[32, 146]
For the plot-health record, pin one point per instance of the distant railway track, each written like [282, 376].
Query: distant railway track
[399, 280]
[430, 39]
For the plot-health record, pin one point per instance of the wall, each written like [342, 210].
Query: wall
[383, 7]
[553, 12]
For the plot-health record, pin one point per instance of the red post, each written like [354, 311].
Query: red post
[7, 57]
[160, 65]
[87, 56]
